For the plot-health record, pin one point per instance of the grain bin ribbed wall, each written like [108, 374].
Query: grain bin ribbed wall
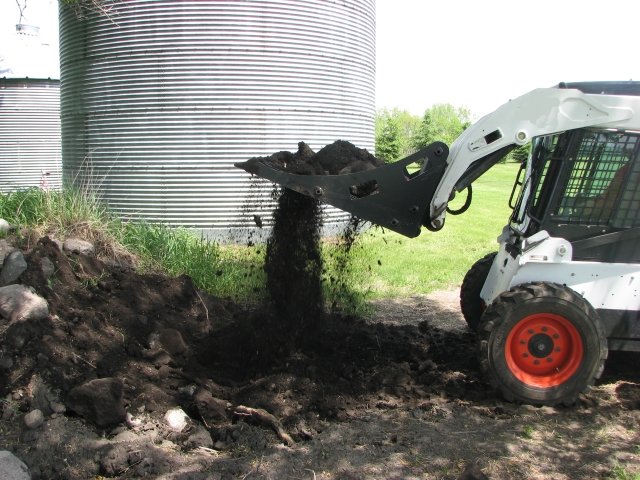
[29, 133]
[30, 151]
[160, 98]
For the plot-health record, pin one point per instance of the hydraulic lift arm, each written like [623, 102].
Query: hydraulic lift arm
[392, 197]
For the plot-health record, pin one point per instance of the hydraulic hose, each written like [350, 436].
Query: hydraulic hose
[466, 204]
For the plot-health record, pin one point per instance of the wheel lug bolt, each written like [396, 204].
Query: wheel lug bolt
[549, 359]
[536, 362]
[544, 329]
[556, 336]
[531, 331]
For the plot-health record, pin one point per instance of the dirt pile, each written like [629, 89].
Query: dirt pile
[337, 158]
[398, 397]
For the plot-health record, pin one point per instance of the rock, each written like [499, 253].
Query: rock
[19, 302]
[76, 245]
[34, 419]
[115, 461]
[172, 341]
[12, 468]
[40, 395]
[132, 422]
[99, 401]
[4, 226]
[199, 437]
[13, 266]
[57, 407]
[161, 359]
[472, 472]
[176, 419]
[6, 363]
[210, 407]
[47, 267]
[5, 249]
[58, 243]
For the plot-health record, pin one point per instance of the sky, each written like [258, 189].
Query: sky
[479, 54]
[42, 13]
[476, 54]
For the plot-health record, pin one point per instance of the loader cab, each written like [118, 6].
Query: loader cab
[581, 185]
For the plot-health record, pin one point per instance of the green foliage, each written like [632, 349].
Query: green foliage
[178, 251]
[399, 133]
[387, 138]
[221, 271]
[68, 212]
[394, 132]
[443, 122]
[393, 265]
[621, 473]
[521, 153]
[528, 432]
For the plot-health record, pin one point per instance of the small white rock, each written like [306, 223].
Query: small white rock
[176, 419]
[34, 419]
[4, 226]
[132, 421]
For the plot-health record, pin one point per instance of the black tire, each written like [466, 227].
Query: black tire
[470, 303]
[541, 343]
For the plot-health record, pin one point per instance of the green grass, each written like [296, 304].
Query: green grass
[621, 473]
[438, 260]
[381, 264]
[229, 271]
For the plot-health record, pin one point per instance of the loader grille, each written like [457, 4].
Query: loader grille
[601, 184]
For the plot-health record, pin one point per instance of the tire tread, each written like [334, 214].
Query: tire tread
[498, 310]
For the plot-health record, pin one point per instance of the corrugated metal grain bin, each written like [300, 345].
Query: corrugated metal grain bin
[160, 98]
[30, 147]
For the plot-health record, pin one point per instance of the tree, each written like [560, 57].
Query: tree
[387, 137]
[394, 132]
[443, 122]
[521, 153]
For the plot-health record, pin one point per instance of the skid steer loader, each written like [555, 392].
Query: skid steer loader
[564, 286]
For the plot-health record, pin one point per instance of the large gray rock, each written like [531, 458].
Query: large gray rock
[19, 302]
[76, 245]
[99, 401]
[12, 468]
[13, 266]
[48, 267]
[5, 249]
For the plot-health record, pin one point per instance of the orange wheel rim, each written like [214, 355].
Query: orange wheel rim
[544, 350]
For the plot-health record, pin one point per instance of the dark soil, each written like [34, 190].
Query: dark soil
[395, 397]
[293, 265]
[338, 158]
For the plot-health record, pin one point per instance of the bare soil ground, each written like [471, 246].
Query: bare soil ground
[394, 396]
